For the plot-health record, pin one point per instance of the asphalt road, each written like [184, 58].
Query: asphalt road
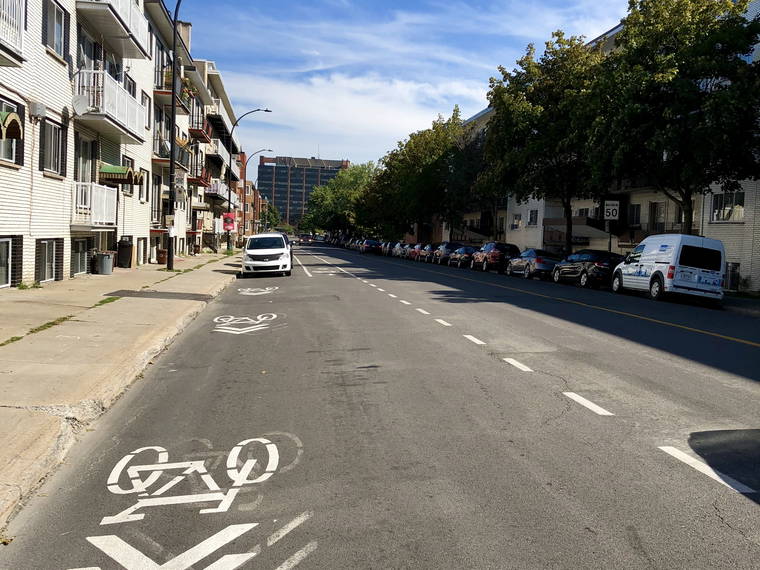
[413, 416]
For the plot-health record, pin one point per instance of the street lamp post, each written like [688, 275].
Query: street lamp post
[173, 140]
[229, 172]
[245, 169]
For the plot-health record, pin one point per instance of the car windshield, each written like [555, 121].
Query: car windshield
[701, 258]
[268, 242]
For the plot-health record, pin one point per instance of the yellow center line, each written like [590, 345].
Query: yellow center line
[597, 307]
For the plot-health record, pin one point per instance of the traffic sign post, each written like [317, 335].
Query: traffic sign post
[611, 212]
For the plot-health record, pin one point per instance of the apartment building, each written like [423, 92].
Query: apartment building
[85, 96]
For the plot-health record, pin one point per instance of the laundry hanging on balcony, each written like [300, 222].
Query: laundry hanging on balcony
[10, 126]
[112, 174]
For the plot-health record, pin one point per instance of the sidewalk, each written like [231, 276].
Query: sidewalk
[57, 379]
[742, 305]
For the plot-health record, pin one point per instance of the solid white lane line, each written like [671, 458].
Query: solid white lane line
[588, 404]
[303, 267]
[381, 290]
[423, 311]
[705, 469]
[392, 296]
[473, 339]
[442, 322]
[404, 302]
[298, 556]
[303, 517]
[517, 364]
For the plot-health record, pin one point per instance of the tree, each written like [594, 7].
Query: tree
[541, 125]
[270, 216]
[678, 102]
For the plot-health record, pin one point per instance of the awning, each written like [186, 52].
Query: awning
[112, 174]
[10, 126]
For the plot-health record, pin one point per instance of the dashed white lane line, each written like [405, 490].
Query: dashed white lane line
[517, 364]
[392, 296]
[288, 527]
[404, 302]
[381, 290]
[473, 339]
[588, 404]
[705, 469]
[442, 322]
[298, 556]
[373, 285]
[303, 267]
[423, 311]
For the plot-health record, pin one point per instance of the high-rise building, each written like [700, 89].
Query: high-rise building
[288, 182]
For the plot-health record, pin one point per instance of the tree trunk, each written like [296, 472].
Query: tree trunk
[688, 213]
[567, 207]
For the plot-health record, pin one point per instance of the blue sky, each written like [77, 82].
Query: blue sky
[348, 79]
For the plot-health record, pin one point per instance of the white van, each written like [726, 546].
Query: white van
[674, 263]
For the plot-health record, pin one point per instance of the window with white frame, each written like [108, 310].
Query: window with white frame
[144, 190]
[5, 262]
[728, 207]
[7, 146]
[56, 27]
[634, 214]
[52, 141]
[128, 189]
[533, 218]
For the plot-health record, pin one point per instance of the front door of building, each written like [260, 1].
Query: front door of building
[78, 256]
[46, 261]
[5, 263]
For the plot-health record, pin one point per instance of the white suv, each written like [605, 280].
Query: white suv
[267, 253]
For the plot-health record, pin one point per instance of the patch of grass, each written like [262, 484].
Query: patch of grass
[10, 340]
[170, 270]
[5, 540]
[24, 286]
[105, 301]
[50, 324]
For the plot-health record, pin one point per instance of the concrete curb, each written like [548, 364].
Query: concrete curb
[25, 472]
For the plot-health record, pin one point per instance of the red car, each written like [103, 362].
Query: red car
[494, 254]
[414, 252]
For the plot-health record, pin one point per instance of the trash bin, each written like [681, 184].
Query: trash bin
[162, 256]
[104, 262]
[125, 253]
[196, 249]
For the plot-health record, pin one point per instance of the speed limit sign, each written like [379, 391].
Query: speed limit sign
[611, 209]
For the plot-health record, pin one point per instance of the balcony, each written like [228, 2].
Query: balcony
[217, 151]
[222, 122]
[122, 25]
[12, 17]
[199, 176]
[219, 190]
[93, 205]
[200, 128]
[235, 169]
[162, 150]
[108, 108]
[637, 232]
[162, 90]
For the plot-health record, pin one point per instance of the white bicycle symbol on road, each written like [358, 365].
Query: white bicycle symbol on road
[144, 476]
[252, 291]
[242, 325]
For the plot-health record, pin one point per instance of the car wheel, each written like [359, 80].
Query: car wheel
[472, 264]
[459, 264]
[288, 273]
[555, 276]
[485, 266]
[617, 283]
[656, 289]
[583, 280]
[509, 270]
[526, 272]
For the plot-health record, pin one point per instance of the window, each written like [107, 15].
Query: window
[54, 28]
[130, 86]
[728, 207]
[583, 212]
[145, 100]
[533, 218]
[701, 258]
[53, 157]
[45, 260]
[155, 199]
[7, 146]
[635, 255]
[144, 190]
[5, 262]
[128, 189]
[634, 214]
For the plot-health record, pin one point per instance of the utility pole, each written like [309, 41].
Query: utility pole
[173, 142]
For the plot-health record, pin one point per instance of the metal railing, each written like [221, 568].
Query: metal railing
[93, 204]
[12, 14]
[161, 148]
[218, 148]
[106, 96]
[217, 108]
[134, 19]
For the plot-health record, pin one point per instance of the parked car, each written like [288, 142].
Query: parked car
[413, 252]
[387, 247]
[266, 253]
[462, 256]
[674, 263]
[369, 246]
[443, 251]
[398, 249]
[532, 263]
[494, 254]
[587, 267]
[427, 253]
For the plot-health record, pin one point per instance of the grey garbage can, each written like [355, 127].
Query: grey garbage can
[104, 263]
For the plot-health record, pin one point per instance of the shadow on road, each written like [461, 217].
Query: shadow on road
[723, 340]
[732, 453]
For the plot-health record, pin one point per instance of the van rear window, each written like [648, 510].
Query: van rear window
[700, 258]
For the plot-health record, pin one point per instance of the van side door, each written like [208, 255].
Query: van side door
[632, 268]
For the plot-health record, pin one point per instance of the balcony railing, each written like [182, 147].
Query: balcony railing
[217, 108]
[637, 232]
[12, 14]
[162, 149]
[217, 148]
[130, 15]
[93, 205]
[219, 189]
[106, 96]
